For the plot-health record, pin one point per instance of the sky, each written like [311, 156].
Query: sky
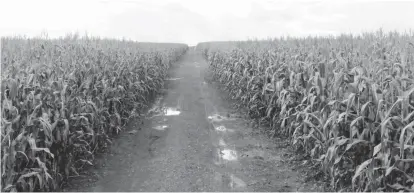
[193, 21]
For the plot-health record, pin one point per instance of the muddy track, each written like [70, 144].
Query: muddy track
[191, 140]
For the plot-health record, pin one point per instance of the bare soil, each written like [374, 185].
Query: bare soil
[194, 140]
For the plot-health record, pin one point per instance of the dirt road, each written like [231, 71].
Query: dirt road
[192, 140]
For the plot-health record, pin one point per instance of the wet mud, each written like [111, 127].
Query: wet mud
[191, 140]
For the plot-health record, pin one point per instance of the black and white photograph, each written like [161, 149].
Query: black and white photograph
[207, 95]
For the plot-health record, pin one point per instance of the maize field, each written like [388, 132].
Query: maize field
[346, 102]
[63, 99]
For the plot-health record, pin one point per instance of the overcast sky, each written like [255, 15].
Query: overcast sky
[192, 21]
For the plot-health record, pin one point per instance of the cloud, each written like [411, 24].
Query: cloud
[170, 22]
[192, 21]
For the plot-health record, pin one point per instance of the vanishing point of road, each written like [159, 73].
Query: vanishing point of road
[191, 140]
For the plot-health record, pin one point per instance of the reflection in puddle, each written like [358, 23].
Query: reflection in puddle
[161, 128]
[236, 182]
[225, 156]
[222, 143]
[215, 117]
[222, 128]
[171, 112]
[228, 154]
[174, 78]
[156, 106]
[218, 118]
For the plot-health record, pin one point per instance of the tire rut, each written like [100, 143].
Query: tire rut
[191, 140]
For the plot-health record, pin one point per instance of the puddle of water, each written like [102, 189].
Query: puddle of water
[161, 127]
[222, 128]
[164, 112]
[222, 143]
[155, 106]
[218, 118]
[173, 78]
[171, 112]
[228, 154]
[236, 182]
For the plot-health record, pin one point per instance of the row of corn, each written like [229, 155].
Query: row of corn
[346, 103]
[62, 100]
